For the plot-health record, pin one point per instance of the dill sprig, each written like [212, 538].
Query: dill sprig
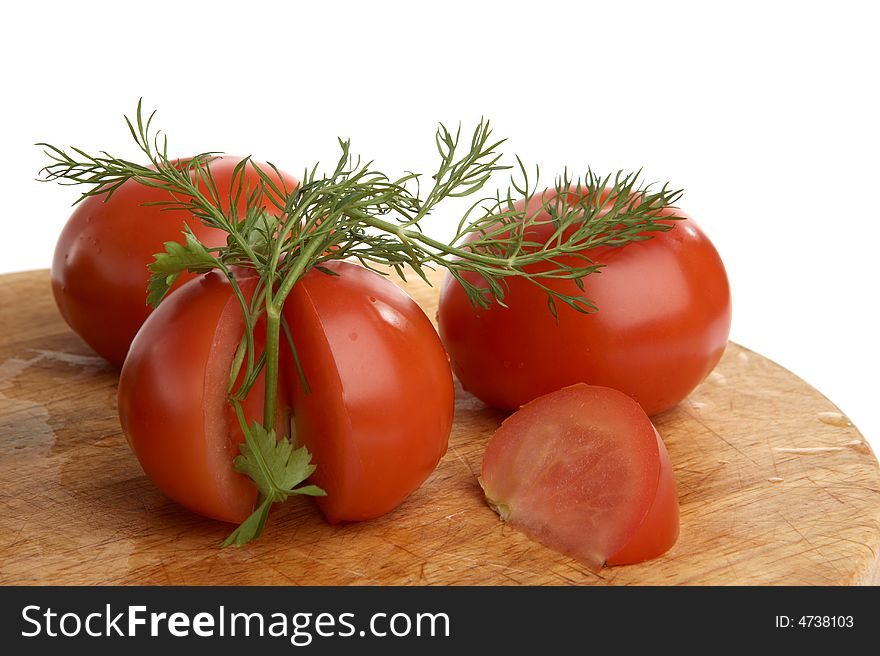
[358, 212]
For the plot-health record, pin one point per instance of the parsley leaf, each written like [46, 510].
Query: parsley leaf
[276, 468]
[166, 267]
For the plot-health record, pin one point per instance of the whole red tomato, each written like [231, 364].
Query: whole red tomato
[99, 272]
[376, 416]
[662, 325]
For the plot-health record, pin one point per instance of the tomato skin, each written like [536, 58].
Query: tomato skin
[172, 399]
[99, 270]
[379, 412]
[662, 325]
[583, 471]
[659, 530]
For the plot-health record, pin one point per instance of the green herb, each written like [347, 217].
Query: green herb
[276, 468]
[360, 213]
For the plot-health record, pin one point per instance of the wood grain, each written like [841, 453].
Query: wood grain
[775, 486]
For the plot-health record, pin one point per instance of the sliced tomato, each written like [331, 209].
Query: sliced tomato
[376, 415]
[173, 403]
[378, 410]
[582, 470]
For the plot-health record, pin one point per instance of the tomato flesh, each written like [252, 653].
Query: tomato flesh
[662, 325]
[583, 471]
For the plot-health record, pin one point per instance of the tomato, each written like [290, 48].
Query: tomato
[583, 471]
[99, 271]
[659, 529]
[379, 412]
[376, 416]
[172, 399]
[662, 325]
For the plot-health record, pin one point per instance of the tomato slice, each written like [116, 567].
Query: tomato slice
[583, 471]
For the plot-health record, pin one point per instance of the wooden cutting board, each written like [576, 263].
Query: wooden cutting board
[776, 487]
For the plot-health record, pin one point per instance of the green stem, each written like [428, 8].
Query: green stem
[296, 361]
[249, 439]
[274, 304]
[407, 236]
[273, 332]
[303, 261]
[248, 324]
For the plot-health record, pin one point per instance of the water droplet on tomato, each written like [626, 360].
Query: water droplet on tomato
[353, 336]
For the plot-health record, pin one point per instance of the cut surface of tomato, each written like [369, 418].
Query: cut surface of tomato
[583, 471]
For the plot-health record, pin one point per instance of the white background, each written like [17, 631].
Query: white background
[764, 112]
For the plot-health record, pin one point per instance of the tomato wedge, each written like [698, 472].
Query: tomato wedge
[583, 471]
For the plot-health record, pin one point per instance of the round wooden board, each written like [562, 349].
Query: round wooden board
[776, 487]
